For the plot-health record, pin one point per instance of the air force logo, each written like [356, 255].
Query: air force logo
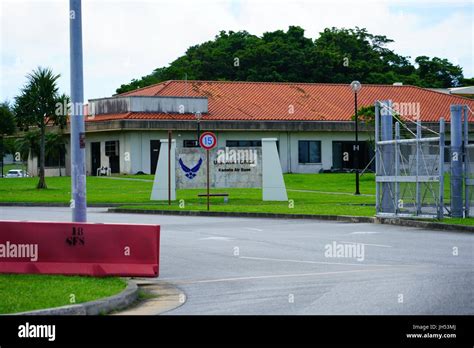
[190, 173]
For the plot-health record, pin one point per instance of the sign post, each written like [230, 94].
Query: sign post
[208, 141]
[169, 167]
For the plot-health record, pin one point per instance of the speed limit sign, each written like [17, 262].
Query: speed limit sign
[208, 140]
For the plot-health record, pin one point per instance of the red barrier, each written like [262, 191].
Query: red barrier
[79, 248]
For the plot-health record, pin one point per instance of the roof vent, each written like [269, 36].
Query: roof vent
[398, 83]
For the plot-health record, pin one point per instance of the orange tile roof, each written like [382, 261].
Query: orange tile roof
[281, 101]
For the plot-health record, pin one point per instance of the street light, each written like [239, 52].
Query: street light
[356, 86]
[198, 116]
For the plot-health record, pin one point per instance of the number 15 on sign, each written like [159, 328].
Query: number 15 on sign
[208, 141]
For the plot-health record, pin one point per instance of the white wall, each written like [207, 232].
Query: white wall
[326, 139]
[137, 145]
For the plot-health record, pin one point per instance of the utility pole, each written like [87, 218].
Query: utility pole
[78, 141]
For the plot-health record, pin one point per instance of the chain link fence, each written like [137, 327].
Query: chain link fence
[409, 167]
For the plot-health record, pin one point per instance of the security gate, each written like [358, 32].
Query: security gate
[468, 165]
[409, 167]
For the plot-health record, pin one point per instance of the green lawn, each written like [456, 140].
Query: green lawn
[459, 221]
[21, 292]
[334, 196]
[326, 194]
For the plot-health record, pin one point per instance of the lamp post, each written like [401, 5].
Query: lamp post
[198, 116]
[356, 86]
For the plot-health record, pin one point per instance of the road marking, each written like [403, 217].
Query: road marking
[272, 276]
[313, 262]
[253, 229]
[364, 232]
[377, 245]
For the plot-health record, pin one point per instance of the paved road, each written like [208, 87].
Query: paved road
[266, 266]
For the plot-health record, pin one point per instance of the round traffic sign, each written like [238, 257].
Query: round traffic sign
[208, 140]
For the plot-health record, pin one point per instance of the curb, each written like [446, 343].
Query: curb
[339, 218]
[423, 224]
[97, 307]
[168, 298]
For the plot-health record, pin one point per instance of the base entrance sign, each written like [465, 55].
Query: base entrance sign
[208, 141]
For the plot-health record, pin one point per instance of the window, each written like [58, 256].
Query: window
[111, 148]
[190, 143]
[243, 143]
[309, 151]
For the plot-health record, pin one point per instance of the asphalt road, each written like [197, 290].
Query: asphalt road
[267, 266]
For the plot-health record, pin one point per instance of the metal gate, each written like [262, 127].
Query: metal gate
[409, 167]
[468, 165]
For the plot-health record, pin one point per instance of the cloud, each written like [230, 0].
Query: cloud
[129, 39]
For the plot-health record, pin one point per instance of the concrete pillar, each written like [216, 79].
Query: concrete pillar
[274, 188]
[456, 162]
[160, 185]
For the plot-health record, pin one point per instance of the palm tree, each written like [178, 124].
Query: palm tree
[36, 106]
[55, 146]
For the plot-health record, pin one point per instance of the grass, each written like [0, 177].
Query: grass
[325, 194]
[21, 292]
[320, 200]
[99, 190]
[459, 221]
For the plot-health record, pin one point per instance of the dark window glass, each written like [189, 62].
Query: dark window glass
[243, 143]
[111, 148]
[190, 143]
[309, 151]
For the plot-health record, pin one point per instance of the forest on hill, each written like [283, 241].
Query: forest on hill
[336, 56]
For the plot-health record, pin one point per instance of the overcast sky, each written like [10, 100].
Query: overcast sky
[129, 39]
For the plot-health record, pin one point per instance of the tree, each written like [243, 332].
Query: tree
[438, 73]
[7, 127]
[28, 144]
[36, 107]
[7, 119]
[55, 147]
[338, 55]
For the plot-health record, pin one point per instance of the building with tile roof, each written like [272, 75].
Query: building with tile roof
[313, 122]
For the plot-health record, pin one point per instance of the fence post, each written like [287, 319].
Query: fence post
[388, 204]
[441, 168]
[466, 162]
[456, 161]
[377, 157]
[397, 168]
[418, 184]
